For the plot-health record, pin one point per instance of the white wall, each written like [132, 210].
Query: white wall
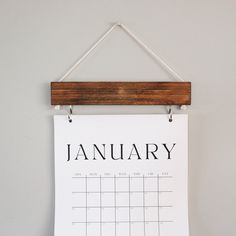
[40, 39]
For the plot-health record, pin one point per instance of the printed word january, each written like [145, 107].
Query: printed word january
[117, 152]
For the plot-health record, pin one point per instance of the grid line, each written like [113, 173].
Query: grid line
[158, 204]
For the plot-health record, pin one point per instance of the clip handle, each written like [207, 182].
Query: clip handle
[170, 114]
[70, 114]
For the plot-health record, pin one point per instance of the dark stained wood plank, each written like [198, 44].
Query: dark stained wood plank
[121, 93]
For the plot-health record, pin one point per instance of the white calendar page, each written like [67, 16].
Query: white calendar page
[121, 175]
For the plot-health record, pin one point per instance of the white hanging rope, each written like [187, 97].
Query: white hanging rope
[86, 54]
[160, 61]
[164, 65]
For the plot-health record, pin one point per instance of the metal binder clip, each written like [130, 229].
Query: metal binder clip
[170, 114]
[70, 114]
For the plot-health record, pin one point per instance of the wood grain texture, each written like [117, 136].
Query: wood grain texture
[121, 93]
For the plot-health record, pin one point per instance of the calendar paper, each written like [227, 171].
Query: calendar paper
[121, 175]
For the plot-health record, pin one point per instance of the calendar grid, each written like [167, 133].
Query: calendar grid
[104, 196]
